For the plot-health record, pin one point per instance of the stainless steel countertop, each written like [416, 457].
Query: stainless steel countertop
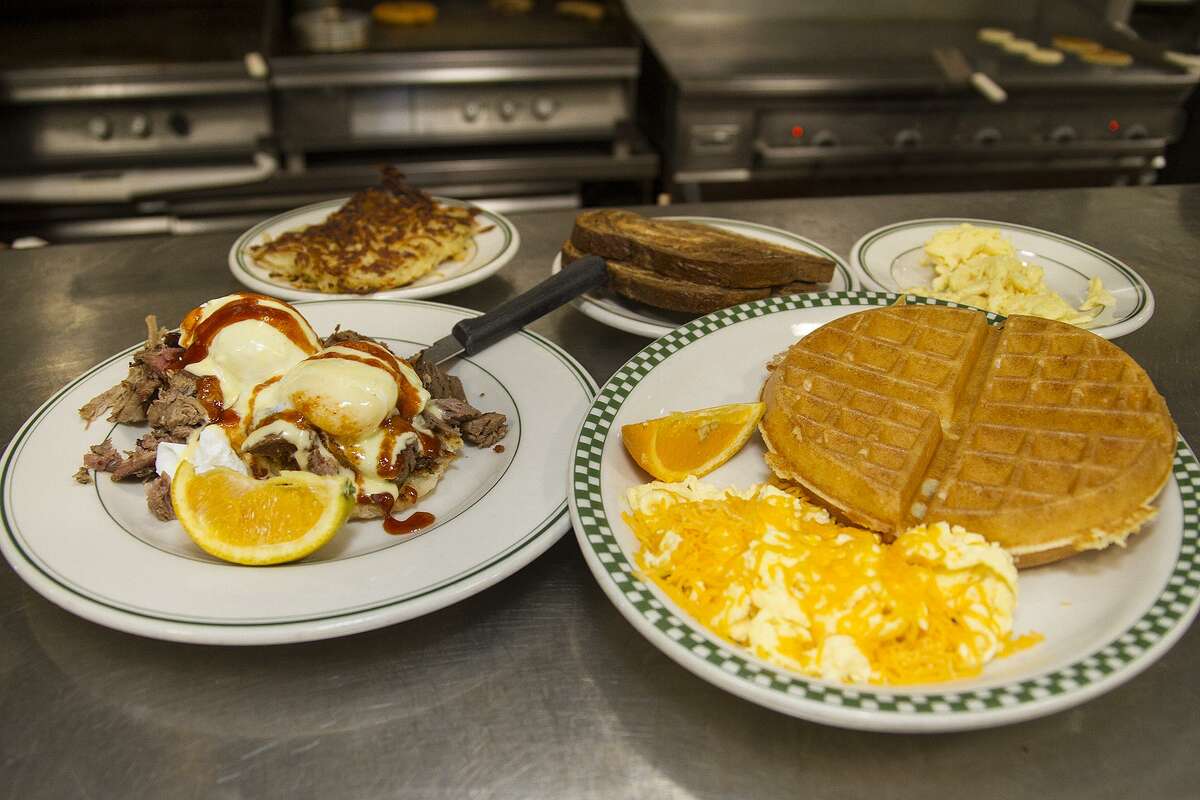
[536, 687]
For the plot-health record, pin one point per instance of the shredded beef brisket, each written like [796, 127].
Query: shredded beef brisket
[440, 384]
[275, 449]
[321, 463]
[485, 430]
[338, 336]
[158, 498]
[139, 462]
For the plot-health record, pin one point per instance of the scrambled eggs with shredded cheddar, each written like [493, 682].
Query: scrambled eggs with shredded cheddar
[979, 267]
[772, 572]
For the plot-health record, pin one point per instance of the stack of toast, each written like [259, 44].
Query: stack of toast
[687, 266]
[1044, 438]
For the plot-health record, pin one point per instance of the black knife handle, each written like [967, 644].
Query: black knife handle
[571, 281]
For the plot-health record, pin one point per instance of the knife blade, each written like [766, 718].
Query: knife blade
[476, 333]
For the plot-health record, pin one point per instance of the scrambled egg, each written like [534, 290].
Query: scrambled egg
[773, 573]
[979, 267]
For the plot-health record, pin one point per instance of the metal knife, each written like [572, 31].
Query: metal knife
[472, 335]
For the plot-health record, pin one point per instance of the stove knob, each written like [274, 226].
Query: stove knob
[987, 136]
[1137, 132]
[908, 138]
[179, 124]
[824, 139]
[507, 109]
[100, 127]
[472, 110]
[140, 126]
[544, 107]
[1063, 134]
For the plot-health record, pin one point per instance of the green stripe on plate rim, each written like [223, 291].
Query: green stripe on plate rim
[1134, 279]
[18, 441]
[1179, 596]
[241, 247]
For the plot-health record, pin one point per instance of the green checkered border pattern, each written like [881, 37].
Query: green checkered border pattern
[1180, 594]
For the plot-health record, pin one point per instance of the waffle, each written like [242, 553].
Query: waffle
[1039, 435]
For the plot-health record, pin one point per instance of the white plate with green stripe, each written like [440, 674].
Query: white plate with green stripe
[96, 551]
[495, 243]
[627, 315]
[1105, 615]
[891, 259]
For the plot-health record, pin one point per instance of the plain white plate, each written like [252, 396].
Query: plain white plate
[630, 316]
[493, 247]
[1105, 615]
[889, 259]
[96, 551]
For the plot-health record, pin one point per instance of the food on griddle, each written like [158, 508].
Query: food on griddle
[1019, 46]
[246, 386]
[382, 238]
[1108, 58]
[994, 35]
[1045, 56]
[687, 266]
[1042, 437]
[581, 9]
[1076, 44]
[405, 12]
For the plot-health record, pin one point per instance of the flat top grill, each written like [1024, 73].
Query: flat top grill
[703, 51]
[474, 26]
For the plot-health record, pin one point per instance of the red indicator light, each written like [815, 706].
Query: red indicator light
[1114, 126]
[797, 131]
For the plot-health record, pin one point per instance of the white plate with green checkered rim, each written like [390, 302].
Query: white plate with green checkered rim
[889, 259]
[494, 245]
[610, 309]
[1106, 615]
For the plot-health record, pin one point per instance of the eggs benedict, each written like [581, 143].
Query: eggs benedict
[284, 399]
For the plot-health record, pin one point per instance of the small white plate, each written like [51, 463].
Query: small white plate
[890, 259]
[630, 316]
[1105, 615]
[493, 247]
[97, 552]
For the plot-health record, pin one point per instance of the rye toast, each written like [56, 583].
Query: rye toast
[693, 252]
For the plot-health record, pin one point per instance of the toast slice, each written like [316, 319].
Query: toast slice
[660, 291]
[693, 252]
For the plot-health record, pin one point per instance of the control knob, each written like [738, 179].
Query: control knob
[472, 110]
[179, 124]
[1063, 134]
[1137, 132]
[908, 138]
[824, 139]
[544, 107]
[987, 136]
[507, 109]
[140, 126]
[100, 127]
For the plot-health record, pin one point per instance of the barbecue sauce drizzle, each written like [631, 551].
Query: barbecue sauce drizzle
[397, 527]
[247, 306]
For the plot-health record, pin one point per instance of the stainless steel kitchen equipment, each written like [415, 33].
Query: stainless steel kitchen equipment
[181, 117]
[823, 98]
[102, 110]
[523, 110]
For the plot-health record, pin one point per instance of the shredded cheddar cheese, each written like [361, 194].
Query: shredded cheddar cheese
[771, 572]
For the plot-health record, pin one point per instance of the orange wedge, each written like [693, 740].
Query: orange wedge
[691, 442]
[248, 521]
